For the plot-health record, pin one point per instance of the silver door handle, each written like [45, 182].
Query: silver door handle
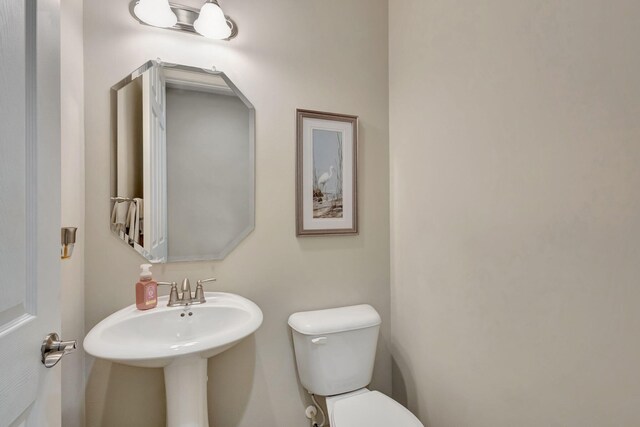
[53, 349]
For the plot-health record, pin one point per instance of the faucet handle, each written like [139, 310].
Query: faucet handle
[199, 298]
[173, 294]
[167, 284]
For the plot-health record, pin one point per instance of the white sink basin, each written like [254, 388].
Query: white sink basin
[178, 339]
[154, 338]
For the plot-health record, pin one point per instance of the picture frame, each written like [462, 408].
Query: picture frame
[326, 173]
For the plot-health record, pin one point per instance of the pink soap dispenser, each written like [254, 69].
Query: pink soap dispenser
[146, 289]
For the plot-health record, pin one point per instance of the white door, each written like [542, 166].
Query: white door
[154, 159]
[29, 210]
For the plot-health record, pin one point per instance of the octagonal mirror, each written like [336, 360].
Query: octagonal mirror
[182, 175]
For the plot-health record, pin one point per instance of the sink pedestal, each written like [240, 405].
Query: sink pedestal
[185, 380]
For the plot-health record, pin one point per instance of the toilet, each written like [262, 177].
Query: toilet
[335, 351]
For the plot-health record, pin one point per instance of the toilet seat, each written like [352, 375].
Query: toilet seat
[371, 409]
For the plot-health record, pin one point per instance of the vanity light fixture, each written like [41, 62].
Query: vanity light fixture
[210, 21]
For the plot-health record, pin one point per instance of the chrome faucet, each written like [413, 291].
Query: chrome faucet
[186, 298]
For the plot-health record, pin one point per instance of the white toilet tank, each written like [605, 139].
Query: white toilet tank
[335, 348]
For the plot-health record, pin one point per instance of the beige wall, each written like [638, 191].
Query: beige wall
[72, 180]
[515, 145]
[290, 54]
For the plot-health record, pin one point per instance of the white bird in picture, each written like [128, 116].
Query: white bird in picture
[322, 181]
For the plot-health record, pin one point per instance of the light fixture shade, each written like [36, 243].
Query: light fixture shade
[156, 13]
[212, 23]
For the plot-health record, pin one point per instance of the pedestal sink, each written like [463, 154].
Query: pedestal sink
[180, 340]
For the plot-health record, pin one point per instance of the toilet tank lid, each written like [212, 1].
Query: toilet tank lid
[334, 320]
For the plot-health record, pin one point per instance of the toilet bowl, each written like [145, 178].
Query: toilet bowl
[335, 352]
[365, 408]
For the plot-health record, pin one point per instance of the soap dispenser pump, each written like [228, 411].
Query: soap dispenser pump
[146, 289]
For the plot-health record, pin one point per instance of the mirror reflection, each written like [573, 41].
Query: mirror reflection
[183, 163]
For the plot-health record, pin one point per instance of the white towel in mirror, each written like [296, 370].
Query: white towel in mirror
[135, 214]
[119, 215]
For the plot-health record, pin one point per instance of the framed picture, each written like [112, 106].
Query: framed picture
[326, 174]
